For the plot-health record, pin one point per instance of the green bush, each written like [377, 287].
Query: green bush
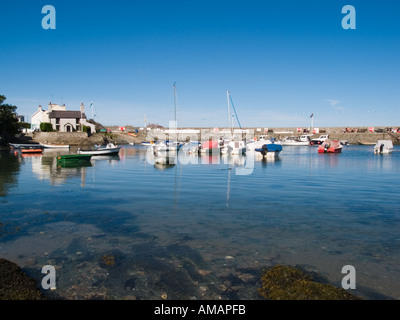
[46, 127]
[25, 125]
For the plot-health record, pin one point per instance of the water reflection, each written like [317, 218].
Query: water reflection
[45, 167]
[9, 169]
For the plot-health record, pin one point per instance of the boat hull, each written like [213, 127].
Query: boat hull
[330, 150]
[55, 146]
[300, 143]
[99, 152]
[71, 160]
[31, 151]
[25, 146]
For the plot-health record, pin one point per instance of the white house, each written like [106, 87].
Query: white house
[62, 120]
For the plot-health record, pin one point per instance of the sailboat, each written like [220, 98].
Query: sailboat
[165, 152]
[233, 146]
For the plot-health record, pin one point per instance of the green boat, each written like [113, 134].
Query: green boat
[74, 160]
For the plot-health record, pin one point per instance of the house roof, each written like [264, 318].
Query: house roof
[67, 114]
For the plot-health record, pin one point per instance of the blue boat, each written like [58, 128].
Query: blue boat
[270, 149]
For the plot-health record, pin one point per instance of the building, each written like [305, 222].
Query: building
[62, 120]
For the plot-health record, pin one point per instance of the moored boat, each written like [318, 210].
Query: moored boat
[110, 148]
[234, 148]
[25, 146]
[210, 147]
[32, 150]
[296, 141]
[330, 146]
[73, 159]
[383, 147]
[270, 150]
[147, 143]
[320, 140]
[55, 146]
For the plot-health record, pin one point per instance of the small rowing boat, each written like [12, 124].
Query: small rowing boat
[31, 150]
[73, 159]
[55, 146]
[110, 148]
[25, 146]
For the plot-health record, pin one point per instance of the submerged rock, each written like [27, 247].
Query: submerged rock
[16, 285]
[289, 283]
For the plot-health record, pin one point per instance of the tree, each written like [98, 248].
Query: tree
[46, 127]
[8, 121]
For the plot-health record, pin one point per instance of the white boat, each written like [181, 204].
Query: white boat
[252, 145]
[110, 148]
[166, 146]
[319, 140]
[234, 148]
[383, 147]
[25, 146]
[147, 143]
[303, 140]
[55, 146]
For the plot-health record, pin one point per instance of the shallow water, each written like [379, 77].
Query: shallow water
[123, 228]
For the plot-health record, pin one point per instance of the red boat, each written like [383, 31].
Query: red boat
[330, 146]
[210, 147]
[31, 150]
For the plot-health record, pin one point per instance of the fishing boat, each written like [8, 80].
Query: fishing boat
[366, 143]
[258, 143]
[25, 146]
[167, 146]
[330, 146]
[74, 159]
[147, 143]
[383, 147]
[110, 148]
[296, 141]
[270, 150]
[232, 146]
[320, 140]
[210, 147]
[31, 150]
[55, 146]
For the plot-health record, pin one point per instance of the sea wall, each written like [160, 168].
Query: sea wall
[353, 136]
[71, 138]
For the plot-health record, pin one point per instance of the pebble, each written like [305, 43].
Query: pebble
[229, 257]
[204, 272]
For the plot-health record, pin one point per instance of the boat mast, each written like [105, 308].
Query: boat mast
[230, 124]
[174, 86]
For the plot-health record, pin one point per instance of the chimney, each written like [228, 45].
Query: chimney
[50, 107]
[82, 108]
[40, 108]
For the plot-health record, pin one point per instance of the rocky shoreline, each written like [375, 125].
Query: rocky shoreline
[16, 284]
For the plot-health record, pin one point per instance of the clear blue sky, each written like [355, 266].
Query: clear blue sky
[281, 61]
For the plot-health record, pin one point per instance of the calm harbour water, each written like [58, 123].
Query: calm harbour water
[123, 228]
